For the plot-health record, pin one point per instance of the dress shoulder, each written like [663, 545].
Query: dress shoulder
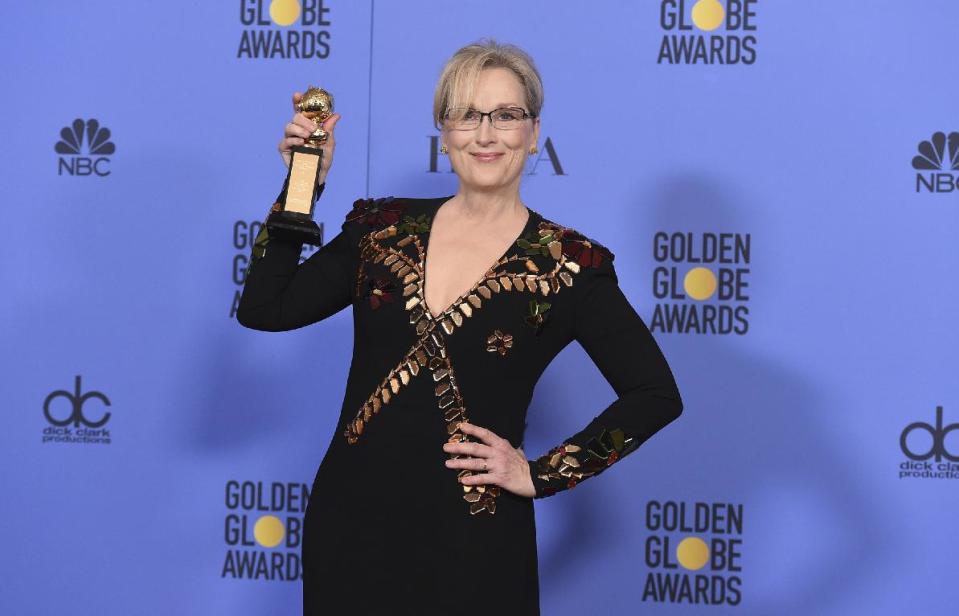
[575, 245]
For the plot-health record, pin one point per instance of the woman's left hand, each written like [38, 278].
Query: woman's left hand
[493, 461]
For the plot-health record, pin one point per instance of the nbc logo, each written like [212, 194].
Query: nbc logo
[938, 157]
[84, 149]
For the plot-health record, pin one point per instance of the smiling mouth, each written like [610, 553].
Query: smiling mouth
[487, 157]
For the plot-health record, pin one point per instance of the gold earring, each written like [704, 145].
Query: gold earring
[443, 149]
[533, 149]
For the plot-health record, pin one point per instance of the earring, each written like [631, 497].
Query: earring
[443, 149]
[533, 149]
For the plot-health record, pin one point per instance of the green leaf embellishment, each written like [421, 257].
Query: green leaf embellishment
[412, 226]
[538, 311]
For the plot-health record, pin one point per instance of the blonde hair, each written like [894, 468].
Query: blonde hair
[458, 79]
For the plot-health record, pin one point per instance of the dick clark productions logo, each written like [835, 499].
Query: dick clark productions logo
[74, 417]
[930, 455]
[85, 149]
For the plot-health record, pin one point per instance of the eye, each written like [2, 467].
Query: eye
[471, 114]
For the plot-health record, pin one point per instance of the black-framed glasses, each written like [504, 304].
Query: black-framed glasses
[504, 118]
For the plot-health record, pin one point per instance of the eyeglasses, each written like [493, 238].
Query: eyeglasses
[504, 118]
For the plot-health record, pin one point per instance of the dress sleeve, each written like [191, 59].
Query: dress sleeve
[281, 294]
[619, 343]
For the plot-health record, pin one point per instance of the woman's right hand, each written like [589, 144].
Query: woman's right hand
[299, 128]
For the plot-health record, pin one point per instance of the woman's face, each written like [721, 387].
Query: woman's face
[487, 158]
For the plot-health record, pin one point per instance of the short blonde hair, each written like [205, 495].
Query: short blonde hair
[456, 83]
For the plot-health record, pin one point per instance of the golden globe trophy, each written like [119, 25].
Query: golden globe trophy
[292, 215]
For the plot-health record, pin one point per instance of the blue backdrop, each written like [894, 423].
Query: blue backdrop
[777, 180]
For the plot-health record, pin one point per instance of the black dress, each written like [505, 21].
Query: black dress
[389, 529]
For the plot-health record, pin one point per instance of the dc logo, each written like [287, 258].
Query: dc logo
[77, 400]
[938, 434]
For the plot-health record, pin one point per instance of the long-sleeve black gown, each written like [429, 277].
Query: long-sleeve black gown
[389, 529]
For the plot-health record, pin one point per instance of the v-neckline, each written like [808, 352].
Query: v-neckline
[531, 213]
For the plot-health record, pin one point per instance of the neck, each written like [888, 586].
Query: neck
[487, 205]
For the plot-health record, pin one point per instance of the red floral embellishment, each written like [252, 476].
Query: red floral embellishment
[378, 212]
[571, 483]
[380, 290]
[579, 248]
[612, 458]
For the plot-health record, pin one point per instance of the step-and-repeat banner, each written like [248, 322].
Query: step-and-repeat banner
[778, 179]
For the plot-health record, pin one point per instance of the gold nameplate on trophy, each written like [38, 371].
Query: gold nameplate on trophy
[294, 219]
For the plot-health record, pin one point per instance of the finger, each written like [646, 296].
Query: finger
[297, 97]
[477, 450]
[330, 123]
[295, 130]
[304, 122]
[289, 142]
[484, 434]
[473, 464]
[480, 479]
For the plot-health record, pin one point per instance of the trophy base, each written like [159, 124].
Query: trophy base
[294, 227]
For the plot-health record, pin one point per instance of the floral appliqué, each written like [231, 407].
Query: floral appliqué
[498, 342]
[538, 313]
[379, 290]
[552, 240]
[375, 212]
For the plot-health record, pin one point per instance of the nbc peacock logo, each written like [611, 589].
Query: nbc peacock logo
[937, 164]
[707, 32]
[85, 149]
[284, 29]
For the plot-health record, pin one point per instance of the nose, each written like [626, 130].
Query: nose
[485, 133]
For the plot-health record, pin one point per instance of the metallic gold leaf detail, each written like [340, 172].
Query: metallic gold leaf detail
[415, 314]
[485, 292]
[406, 240]
[544, 287]
[448, 326]
[457, 318]
[412, 302]
[571, 461]
[555, 249]
[413, 366]
[421, 327]
[367, 412]
[410, 289]
[519, 283]
[376, 404]
[493, 284]
[442, 388]
[410, 277]
[453, 413]
[572, 266]
[554, 285]
[385, 394]
[445, 401]
[393, 258]
[506, 282]
[420, 357]
[466, 309]
[475, 300]
[395, 385]
[406, 269]
[566, 278]
[440, 374]
[531, 266]
[404, 377]
[472, 497]
[436, 362]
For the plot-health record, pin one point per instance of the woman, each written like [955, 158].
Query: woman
[423, 503]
